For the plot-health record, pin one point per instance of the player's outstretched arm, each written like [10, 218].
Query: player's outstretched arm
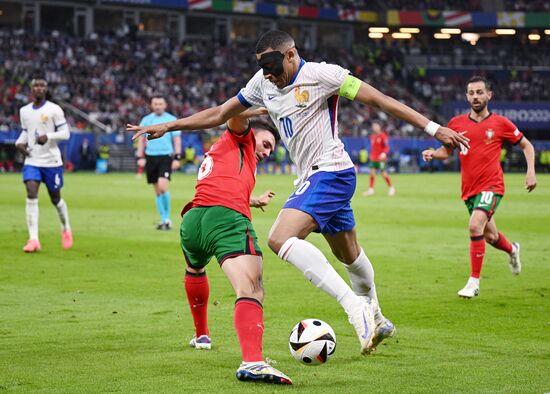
[373, 97]
[262, 201]
[529, 152]
[441, 153]
[239, 124]
[205, 119]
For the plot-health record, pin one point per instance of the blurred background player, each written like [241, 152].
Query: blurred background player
[379, 151]
[43, 126]
[326, 175]
[160, 157]
[218, 223]
[482, 176]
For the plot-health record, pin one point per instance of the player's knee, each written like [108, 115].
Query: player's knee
[55, 199]
[491, 238]
[32, 194]
[475, 229]
[275, 242]
[251, 289]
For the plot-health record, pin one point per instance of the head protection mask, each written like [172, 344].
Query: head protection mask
[272, 63]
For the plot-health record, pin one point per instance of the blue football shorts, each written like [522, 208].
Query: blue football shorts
[326, 197]
[51, 176]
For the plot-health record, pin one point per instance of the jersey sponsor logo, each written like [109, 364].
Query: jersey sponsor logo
[206, 168]
[489, 133]
[302, 97]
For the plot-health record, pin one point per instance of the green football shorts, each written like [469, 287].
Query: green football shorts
[216, 231]
[379, 165]
[485, 201]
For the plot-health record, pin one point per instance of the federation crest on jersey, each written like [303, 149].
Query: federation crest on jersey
[43, 118]
[489, 134]
[302, 97]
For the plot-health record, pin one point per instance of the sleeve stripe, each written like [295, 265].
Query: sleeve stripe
[518, 141]
[59, 125]
[243, 101]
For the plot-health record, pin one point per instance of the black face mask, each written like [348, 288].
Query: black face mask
[272, 63]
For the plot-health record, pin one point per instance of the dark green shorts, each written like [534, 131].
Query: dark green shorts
[379, 165]
[484, 201]
[216, 231]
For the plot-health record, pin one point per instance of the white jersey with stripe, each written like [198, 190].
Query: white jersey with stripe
[305, 113]
[49, 120]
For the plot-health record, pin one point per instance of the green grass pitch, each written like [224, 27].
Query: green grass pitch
[110, 315]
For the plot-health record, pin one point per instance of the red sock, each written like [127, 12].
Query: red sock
[503, 244]
[249, 324]
[387, 179]
[477, 252]
[197, 289]
[371, 181]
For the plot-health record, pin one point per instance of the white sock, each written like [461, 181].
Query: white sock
[31, 209]
[315, 267]
[63, 213]
[361, 275]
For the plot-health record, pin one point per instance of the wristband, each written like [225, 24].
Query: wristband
[431, 128]
[177, 156]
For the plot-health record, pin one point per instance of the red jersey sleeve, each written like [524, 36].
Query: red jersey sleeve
[510, 132]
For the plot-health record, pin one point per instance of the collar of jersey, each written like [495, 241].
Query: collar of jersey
[302, 62]
[43, 104]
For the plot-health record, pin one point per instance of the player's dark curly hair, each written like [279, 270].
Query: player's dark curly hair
[479, 78]
[274, 39]
[258, 124]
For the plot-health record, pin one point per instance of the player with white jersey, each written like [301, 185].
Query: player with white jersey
[43, 126]
[302, 98]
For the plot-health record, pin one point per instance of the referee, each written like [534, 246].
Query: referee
[161, 157]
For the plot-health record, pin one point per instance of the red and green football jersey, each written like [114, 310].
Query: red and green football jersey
[228, 174]
[379, 144]
[480, 165]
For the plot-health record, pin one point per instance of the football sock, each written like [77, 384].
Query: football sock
[315, 267]
[197, 289]
[371, 181]
[166, 203]
[503, 244]
[387, 179]
[249, 324]
[31, 210]
[361, 275]
[63, 213]
[477, 252]
[160, 207]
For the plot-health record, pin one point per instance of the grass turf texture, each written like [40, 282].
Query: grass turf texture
[111, 314]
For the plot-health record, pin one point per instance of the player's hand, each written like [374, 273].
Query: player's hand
[41, 139]
[155, 131]
[451, 139]
[24, 149]
[175, 165]
[428, 155]
[382, 156]
[250, 113]
[530, 181]
[264, 199]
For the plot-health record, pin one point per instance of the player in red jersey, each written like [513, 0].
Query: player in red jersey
[482, 177]
[217, 222]
[379, 150]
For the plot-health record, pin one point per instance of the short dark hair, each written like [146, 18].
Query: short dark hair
[274, 39]
[479, 78]
[157, 96]
[258, 124]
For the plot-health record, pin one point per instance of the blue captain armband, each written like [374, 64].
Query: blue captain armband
[350, 87]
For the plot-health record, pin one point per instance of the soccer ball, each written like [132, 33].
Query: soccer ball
[312, 342]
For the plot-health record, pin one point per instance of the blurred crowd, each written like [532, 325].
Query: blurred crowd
[111, 77]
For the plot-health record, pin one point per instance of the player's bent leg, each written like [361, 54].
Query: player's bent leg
[245, 275]
[197, 290]
[63, 213]
[290, 223]
[478, 222]
[499, 241]
[361, 273]
[31, 212]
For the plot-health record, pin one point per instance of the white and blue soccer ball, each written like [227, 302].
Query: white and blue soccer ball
[312, 342]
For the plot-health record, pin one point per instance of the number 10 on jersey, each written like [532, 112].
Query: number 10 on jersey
[286, 127]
